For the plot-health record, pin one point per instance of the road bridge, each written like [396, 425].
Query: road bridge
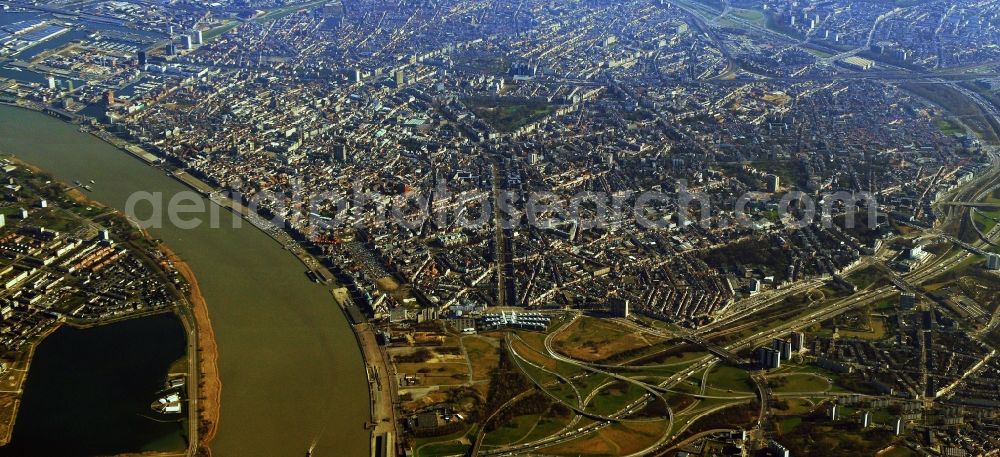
[716, 350]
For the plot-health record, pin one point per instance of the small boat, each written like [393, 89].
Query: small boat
[89, 189]
[92, 181]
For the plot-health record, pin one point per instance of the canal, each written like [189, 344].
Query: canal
[292, 374]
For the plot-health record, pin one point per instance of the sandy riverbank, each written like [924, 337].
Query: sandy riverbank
[209, 383]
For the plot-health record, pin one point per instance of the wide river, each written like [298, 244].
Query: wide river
[292, 373]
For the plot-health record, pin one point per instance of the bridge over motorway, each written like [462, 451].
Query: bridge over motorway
[687, 335]
[716, 350]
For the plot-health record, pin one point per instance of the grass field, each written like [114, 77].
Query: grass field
[592, 339]
[986, 220]
[750, 15]
[730, 378]
[566, 393]
[788, 424]
[949, 127]
[775, 26]
[657, 371]
[817, 52]
[539, 358]
[443, 445]
[443, 449]
[957, 104]
[546, 426]
[285, 11]
[617, 439]
[865, 277]
[736, 415]
[899, 451]
[534, 340]
[671, 352]
[877, 331]
[591, 382]
[430, 374]
[679, 402]
[886, 304]
[799, 383]
[816, 436]
[512, 431]
[214, 33]
[791, 172]
[794, 407]
[615, 397]
[483, 356]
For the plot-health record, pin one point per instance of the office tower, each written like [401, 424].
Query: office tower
[768, 359]
[773, 183]
[340, 153]
[778, 450]
[993, 262]
[618, 306]
[784, 347]
[798, 341]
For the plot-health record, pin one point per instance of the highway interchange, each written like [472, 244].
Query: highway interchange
[740, 316]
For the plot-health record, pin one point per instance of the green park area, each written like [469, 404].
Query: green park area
[749, 15]
[508, 114]
[729, 378]
[269, 15]
[792, 172]
[815, 435]
[799, 383]
[818, 52]
[615, 396]
[956, 103]
[949, 127]
[618, 439]
[279, 13]
[865, 277]
[218, 31]
[593, 339]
